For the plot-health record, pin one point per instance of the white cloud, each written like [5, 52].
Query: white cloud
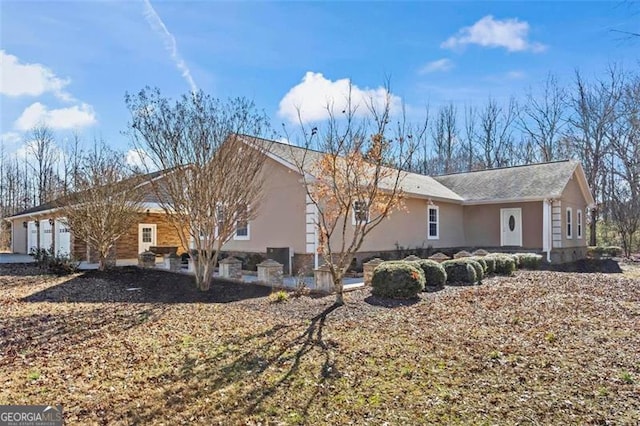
[138, 158]
[170, 44]
[312, 96]
[19, 79]
[516, 75]
[443, 65]
[511, 34]
[73, 117]
[10, 138]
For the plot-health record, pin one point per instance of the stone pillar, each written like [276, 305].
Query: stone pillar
[412, 258]
[367, 269]
[147, 259]
[271, 272]
[231, 268]
[175, 263]
[323, 279]
[439, 257]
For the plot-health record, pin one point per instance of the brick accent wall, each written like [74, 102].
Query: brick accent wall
[127, 246]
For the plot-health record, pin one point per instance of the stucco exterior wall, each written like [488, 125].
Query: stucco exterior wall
[482, 224]
[408, 227]
[280, 220]
[572, 198]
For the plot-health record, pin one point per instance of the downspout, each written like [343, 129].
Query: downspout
[547, 236]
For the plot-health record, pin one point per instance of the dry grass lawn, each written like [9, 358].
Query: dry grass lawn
[536, 348]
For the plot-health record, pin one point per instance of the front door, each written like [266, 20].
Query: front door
[511, 227]
[146, 236]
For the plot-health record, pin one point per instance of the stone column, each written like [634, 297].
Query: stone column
[367, 269]
[412, 258]
[175, 263]
[439, 257]
[231, 268]
[271, 272]
[147, 259]
[323, 279]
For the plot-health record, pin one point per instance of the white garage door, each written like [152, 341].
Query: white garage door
[63, 239]
[46, 234]
[32, 237]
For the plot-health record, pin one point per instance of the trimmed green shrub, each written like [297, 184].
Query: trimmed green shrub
[482, 262]
[505, 264]
[490, 262]
[434, 273]
[529, 260]
[397, 280]
[460, 271]
[478, 268]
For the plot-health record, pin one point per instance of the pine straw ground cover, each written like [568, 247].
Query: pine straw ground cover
[538, 348]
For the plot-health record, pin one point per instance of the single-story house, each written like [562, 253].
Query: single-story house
[538, 208]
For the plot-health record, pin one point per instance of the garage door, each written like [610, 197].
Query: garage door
[46, 234]
[63, 239]
[32, 236]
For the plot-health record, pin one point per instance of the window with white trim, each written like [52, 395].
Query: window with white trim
[569, 224]
[433, 223]
[242, 226]
[360, 212]
[579, 223]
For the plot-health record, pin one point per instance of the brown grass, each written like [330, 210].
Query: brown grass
[537, 348]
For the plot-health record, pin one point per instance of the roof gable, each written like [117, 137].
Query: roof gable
[520, 183]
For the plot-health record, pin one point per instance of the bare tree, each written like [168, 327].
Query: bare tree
[106, 203]
[495, 137]
[349, 183]
[470, 116]
[625, 181]
[542, 119]
[43, 150]
[593, 114]
[445, 136]
[213, 172]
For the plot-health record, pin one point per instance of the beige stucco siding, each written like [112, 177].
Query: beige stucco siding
[19, 236]
[482, 224]
[572, 198]
[408, 228]
[280, 220]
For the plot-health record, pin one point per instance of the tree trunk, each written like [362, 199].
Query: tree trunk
[102, 263]
[592, 227]
[203, 271]
[338, 285]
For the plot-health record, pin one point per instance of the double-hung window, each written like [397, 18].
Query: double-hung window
[579, 223]
[360, 212]
[242, 226]
[433, 223]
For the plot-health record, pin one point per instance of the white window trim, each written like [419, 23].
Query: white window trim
[353, 213]
[247, 237]
[569, 223]
[437, 236]
[579, 222]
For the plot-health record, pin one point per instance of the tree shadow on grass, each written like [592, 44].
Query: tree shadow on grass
[135, 285]
[390, 303]
[35, 334]
[266, 365]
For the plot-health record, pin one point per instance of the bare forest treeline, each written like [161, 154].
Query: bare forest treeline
[594, 119]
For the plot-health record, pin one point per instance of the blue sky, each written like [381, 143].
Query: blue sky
[69, 63]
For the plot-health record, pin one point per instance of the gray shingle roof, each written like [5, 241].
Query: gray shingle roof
[412, 183]
[535, 181]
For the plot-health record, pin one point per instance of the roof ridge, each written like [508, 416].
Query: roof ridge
[568, 160]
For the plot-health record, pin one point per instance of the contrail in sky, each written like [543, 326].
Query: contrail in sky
[169, 42]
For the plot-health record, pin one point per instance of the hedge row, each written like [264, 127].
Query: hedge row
[405, 279]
